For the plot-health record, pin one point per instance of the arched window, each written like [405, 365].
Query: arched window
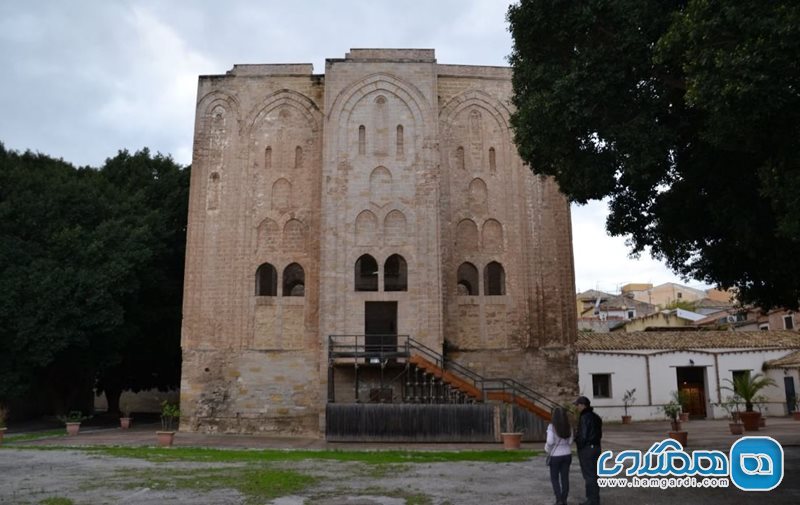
[494, 279]
[460, 158]
[492, 160]
[294, 280]
[395, 274]
[268, 158]
[366, 273]
[266, 280]
[467, 280]
[362, 139]
[298, 157]
[400, 142]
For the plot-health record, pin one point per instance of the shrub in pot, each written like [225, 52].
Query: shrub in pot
[3, 418]
[628, 399]
[731, 407]
[672, 410]
[73, 421]
[747, 387]
[170, 413]
[125, 419]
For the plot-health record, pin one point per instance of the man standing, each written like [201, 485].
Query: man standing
[590, 431]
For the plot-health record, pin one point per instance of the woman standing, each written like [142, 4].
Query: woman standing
[559, 451]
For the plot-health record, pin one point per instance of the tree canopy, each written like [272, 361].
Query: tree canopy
[91, 268]
[685, 115]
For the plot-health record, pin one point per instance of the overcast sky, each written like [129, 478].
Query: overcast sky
[83, 79]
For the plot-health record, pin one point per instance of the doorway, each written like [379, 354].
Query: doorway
[380, 328]
[692, 383]
[791, 396]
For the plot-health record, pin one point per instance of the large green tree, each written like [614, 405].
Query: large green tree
[90, 261]
[685, 115]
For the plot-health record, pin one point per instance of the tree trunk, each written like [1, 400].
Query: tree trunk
[112, 397]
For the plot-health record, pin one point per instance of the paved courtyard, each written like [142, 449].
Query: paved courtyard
[31, 475]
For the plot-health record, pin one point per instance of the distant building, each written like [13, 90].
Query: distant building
[664, 319]
[699, 363]
[663, 295]
[600, 311]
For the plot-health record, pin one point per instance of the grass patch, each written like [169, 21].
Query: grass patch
[56, 501]
[36, 435]
[258, 456]
[256, 484]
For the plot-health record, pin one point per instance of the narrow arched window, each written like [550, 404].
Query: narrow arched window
[362, 139]
[268, 158]
[294, 280]
[298, 157]
[494, 279]
[395, 274]
[366, 273]
[467, 280]
[266, 280]
[400, 142]
[460, 158]
[492, 160]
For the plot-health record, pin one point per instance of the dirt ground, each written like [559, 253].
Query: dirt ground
[31, 476]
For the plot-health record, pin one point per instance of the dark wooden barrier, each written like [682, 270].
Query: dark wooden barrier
[359, 422]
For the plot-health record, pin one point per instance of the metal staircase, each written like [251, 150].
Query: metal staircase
[431, 378]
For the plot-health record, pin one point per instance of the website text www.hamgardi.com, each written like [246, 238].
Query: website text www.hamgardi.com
[663, 482]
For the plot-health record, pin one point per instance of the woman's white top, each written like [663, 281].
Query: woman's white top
[555, 445]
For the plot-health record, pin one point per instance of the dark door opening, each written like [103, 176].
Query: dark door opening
[692, 382]
[791, 396]
[380, 329]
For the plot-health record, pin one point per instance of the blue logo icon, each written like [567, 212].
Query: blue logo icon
[756, 463]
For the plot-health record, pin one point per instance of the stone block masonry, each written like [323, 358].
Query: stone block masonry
[385, 196]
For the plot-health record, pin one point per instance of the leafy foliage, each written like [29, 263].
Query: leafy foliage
[747, 386]
[685, 114]
[90, 261]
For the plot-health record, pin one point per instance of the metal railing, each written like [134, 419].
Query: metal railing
[381, 348]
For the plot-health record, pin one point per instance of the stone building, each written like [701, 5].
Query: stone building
[384, 197]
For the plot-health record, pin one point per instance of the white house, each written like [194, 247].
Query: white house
[699, 363]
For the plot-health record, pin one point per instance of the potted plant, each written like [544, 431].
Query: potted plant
[796, 414]
[3, 418]
[628, 400]
[731, 407]
[760, 403]
[169, 417]
[125, 419]
[672, 410]
[73, 421]
[682, 399]
[747, 386]
[511, 438]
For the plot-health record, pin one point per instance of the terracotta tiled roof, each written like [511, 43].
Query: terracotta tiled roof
[789, 361]
[643, 340]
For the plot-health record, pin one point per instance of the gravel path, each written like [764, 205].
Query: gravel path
[30, 476]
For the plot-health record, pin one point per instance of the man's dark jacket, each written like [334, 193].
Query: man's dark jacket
[590, 429]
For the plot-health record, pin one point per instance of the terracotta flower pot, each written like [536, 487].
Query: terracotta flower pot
[73, 428]
[125, 422]
[626, 419]
[736, 428]
[165, 438]
[511, 441]
[680, 436]
[2, 432]
[675, 425]
[750, 420]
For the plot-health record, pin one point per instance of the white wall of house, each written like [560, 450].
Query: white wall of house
[629, 369]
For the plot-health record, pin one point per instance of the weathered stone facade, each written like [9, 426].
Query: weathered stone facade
[387, 153]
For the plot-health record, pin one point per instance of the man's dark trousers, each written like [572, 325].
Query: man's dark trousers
[588, 457]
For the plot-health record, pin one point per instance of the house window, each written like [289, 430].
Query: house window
[266, 280]
[680, 295]
[764, 327]
[738, 374]
[601, 385]
[366, 273]
[294, 280]
[362, 139]
[631, 314]
[788, 322]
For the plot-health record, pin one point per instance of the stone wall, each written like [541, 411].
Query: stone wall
[388, 153]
